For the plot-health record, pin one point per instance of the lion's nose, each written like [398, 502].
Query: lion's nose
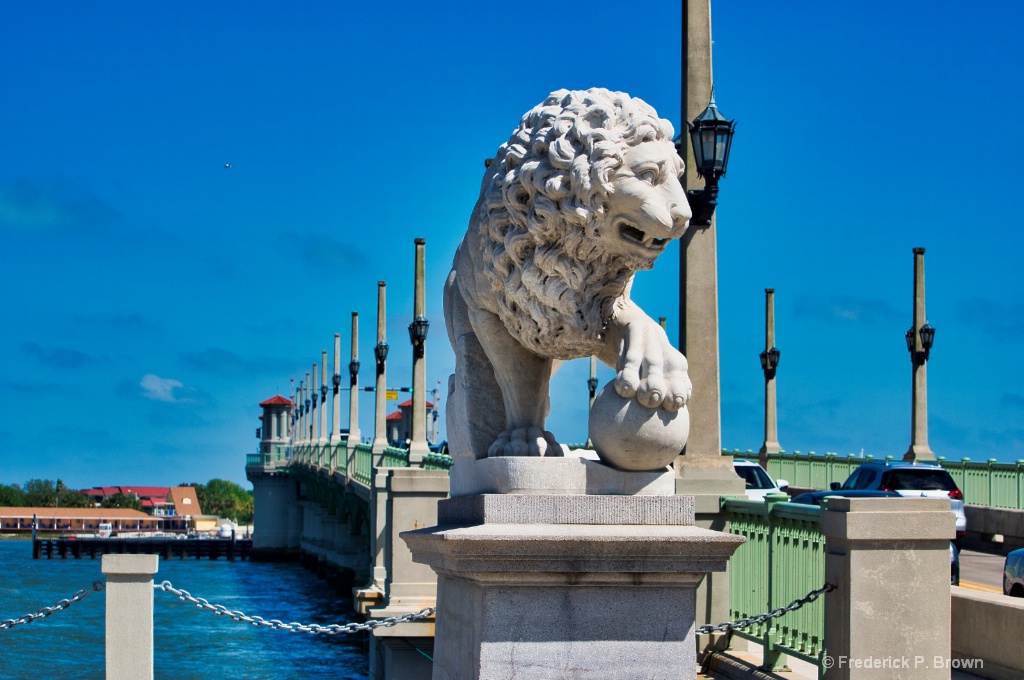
[681, 215]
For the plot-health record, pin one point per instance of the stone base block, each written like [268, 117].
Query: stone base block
[562, 630]
[545, 587]
[573, 474]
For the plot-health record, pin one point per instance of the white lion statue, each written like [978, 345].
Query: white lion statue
[585, 193]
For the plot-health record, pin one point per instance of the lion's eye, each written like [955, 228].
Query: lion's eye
[649, 175]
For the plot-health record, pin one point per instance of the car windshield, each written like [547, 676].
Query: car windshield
[911, 479]
[755, 477]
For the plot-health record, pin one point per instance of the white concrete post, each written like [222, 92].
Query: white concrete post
[300, 436]
[129, 628]
[312, 414]
[336, 404]
[323, 397]
[890, 559]
[771, 420]
[418, 447]
[380, 425]
[919, 449]
[353, 395]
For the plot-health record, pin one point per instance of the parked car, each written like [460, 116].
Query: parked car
[816, 497]
[758, 482]
[1013, 574]
[910, 480]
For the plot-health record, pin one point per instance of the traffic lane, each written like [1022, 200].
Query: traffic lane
[982, 569]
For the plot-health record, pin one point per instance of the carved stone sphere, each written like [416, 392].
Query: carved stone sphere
[629, 436]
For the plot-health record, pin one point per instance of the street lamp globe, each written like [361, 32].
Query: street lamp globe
[711, 137]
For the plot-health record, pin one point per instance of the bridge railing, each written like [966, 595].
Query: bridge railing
[363, 464]
[395, 457]
[989, 483]
[985, 483]
[782, 560]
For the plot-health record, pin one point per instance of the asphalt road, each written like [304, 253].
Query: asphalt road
[981, 571]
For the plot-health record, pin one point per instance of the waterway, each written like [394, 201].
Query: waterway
[189, 643]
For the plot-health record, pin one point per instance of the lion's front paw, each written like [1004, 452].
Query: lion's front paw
[651, 369]
[525, 442]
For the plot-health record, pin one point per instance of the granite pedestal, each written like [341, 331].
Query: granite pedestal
[570, 585]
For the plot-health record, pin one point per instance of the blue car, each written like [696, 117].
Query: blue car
[1013, 574]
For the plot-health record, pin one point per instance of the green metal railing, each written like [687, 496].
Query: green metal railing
[988, 483]
[395, 457]
[437, 461]
[782, 560]
[363, 463]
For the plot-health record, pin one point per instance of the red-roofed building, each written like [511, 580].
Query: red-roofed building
[399, 423]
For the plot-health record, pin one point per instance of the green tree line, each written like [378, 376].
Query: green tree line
[217, 497]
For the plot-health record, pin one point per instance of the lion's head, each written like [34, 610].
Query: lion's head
[585, 193]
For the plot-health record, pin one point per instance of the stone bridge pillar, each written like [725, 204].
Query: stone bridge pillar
[889, 618]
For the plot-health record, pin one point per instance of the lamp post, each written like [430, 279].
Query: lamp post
[336, 383]
[307, 422]
[300, 421]
[312, 414]
[323, 397]
[769, 362]
[592, 388]
[353, 377]
[418, 447]
[711, 138]
[919, 343]
[380, 353]
[702, 470]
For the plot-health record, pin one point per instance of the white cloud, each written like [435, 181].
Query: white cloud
[160, 389]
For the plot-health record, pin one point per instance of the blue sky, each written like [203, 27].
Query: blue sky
[152, 297]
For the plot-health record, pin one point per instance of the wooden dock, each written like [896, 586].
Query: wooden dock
[168, 547]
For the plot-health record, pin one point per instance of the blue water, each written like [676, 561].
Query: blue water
[188, 643]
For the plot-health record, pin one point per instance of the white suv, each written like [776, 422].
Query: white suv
[913, 480]
[757, 480]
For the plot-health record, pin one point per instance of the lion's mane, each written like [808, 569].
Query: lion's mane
[543, 205]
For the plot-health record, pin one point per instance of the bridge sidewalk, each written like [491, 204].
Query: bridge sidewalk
[743, 664]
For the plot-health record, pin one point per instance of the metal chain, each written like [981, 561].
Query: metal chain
[97, 586]
[773, 614]
[275, 624]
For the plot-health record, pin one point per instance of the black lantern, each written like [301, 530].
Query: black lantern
[711, 137]
[418, 335]
[770, 361]
[336, 380]
[380, 352]
[307, 407]
[353, 371]
[927, 338]
[323, 393]
[313, 390]
[592, 384]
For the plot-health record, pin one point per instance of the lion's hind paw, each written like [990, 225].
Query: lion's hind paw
[525, 442]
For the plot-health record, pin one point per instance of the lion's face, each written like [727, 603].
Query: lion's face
[646, 205]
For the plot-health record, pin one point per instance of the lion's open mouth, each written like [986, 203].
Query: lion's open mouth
[631, 233]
